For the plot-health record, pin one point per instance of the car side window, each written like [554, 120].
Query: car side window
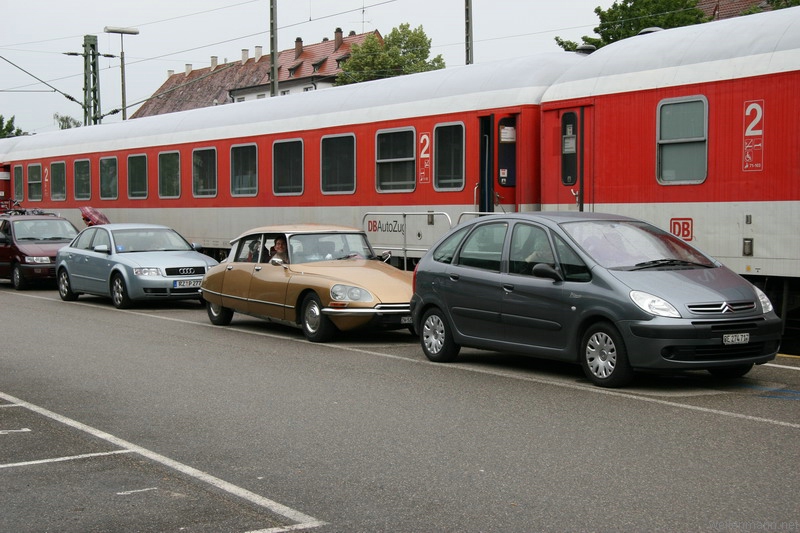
[248, 250]
[84, 240]
[101, 238]
[445, 252]
[483, 248]
[529, 246]
[572, 267]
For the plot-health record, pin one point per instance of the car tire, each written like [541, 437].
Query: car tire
[731, 372]
[316, 326]
[119, 292]
[218, 315]
[18, 278]
[64, 287]
[604, 357]
[436, 337]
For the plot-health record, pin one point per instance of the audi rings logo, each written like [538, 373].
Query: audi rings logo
[188, 271]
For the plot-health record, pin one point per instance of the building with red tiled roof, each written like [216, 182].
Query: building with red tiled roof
[725, 9]
[302, 68]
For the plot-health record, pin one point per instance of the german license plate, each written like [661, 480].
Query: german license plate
[185, 283]
[736, 338]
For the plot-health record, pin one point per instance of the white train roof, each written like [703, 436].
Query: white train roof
[745, 46]
[482, 86]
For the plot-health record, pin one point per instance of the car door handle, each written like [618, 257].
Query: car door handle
[454, 277]
[508, 287]
[257, 268]
[230, 267]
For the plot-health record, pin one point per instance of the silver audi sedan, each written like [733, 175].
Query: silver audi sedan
[611, 293]
[131, 262]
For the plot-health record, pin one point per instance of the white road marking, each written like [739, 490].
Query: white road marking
[303, 521]
[8, 431]
[62, 459]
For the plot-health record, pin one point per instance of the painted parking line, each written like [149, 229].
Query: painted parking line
[302, 521]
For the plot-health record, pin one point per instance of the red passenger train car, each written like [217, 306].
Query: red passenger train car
[692, 129]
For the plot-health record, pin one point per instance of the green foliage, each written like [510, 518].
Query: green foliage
[66, 122]
[402, 51]
[626, 18]
[7, 128]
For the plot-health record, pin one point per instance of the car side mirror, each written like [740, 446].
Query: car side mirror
[543, 270]
[101, 249]
[386, 255]
[277, 261]
[197, 247]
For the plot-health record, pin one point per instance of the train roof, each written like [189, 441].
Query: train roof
[745, 46]
[481, 86]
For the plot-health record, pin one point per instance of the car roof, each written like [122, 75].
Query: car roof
[128, 226]
[294, 229]
[556, 217]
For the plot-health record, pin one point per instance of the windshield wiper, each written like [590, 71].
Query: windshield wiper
[667, 262]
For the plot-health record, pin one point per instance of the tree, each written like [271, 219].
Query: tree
[627, 18]
[7, 129]
[66, 122]
[773, 4]
[402, 51]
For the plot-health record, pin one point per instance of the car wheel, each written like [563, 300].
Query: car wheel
[218, 315]
[731, 372]
[604, 358]
[119, 293]
[64, 288]
[316, 326]
[18, 279]
[436, 337]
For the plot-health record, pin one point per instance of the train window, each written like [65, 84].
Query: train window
[244, 170]
[338, 161]
[169, 175]
[287, 167]
[204, 172]
[395, 162]
[682, 140]
[448, 156]
[83, 179]
[19, 186]
[137, 176]
[109, 178]
[34, 182]
[58, 181]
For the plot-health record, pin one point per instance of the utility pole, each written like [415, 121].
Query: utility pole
[91, 81]
[122, 32]
[273, 47]
[468, 30]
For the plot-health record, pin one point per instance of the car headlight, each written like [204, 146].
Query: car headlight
[766, 305]
[38, 260]
[146, 271]
[349, 293]
[654, 305]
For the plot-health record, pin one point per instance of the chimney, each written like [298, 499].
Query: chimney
[298, 47]
[259, 52]
[337, 38]
[245, 54]
[170, 73]
[213, 62]
[188, 68]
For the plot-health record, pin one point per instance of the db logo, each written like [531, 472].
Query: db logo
[682, 227]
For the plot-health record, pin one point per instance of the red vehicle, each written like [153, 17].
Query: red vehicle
[690, 128]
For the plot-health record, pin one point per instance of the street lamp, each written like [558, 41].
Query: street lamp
[122, 32]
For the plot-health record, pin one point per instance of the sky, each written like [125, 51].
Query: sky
[37, 33]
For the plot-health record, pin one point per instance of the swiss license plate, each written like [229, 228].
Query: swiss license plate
[736, 338]
[405, 320]
[185, 283]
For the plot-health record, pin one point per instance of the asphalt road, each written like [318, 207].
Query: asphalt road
[155, 420]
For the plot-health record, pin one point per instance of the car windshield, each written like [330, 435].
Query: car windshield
[44, 230]
[149, 240]
[309, 248]
[633, 245]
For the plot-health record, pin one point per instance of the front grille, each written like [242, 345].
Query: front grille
[722, 307]
[719, 352]
[186, 271]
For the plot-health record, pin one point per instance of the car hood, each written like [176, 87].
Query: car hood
[41, 249]
[385, 282]
[166, 259]
[687, 286]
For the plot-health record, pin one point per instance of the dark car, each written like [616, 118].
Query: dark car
[28, 245]
[614, 294]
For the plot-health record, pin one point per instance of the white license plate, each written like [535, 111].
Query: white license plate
[405, 320]
[185, 283]
[736, 338]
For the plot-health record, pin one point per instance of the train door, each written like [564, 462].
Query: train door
[575, 190]
[5, 184]
[498, 163]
